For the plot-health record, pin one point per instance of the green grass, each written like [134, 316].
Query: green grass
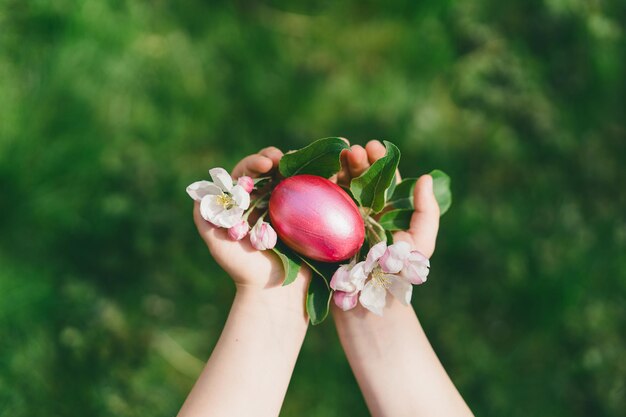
[108, 299]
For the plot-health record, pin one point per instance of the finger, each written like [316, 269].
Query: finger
[343, 176]
[375, 150]
[272, 153]
[252, 165]
[204, 227]
[215, 237]
[357, 161]
[425, 219]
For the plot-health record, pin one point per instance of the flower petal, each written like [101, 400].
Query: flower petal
[229, 218]
[241, 197]
[416, 268]
[373, 297]
[199, 189]
[393, 259]
[341, 279]
[222, 178]
[358, 275]
[417, 256]
[374, 255]
[400, 288]
[345, 300]
[415, 273]
[210, 208]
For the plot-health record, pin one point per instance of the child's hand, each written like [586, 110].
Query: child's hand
[247, 266]
[422, 233]
[249, 370]
[421, 386]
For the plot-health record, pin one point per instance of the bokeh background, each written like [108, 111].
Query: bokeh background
[110, 302]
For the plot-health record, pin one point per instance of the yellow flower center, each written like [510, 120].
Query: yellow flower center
[380, 278]
[225, 201]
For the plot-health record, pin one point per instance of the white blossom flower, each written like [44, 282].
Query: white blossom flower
[380, 261]
[362, 270]
[263, 236]
[342, 280]
[374, 293]
[392, 268]
[221, 202]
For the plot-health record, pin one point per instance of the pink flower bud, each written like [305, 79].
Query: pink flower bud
[345, 300]
[239, 231]
[247, 183]
[263, 236]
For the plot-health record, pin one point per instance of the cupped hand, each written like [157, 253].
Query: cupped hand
[248, 267]
[422, 233]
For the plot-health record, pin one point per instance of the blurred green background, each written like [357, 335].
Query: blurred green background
[109, 301]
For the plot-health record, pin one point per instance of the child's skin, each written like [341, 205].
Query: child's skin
[251, 365]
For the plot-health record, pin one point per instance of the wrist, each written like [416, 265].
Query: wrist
[275, 302]
[361, 319]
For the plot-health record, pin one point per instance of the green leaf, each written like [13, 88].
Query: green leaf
[319, 158]
[369, 189]
[317, 299]
[392, 188]
[291, 262]
[324, 269]
[260, 184]
[319, 293]
[402, 197]
[389, 235]
[441, 188]
[261, 181]
[396, 220]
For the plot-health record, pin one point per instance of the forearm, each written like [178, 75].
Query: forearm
[249, 370]
[394, 364]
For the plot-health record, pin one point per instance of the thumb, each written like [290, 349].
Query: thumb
[209, 233]
[425, 219]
